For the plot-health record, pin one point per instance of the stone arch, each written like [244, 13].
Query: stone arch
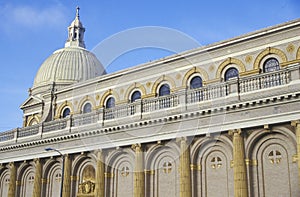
[31, 119]
[84, 101]
[61, 108]
[108, 93]
[163, 78]
[52, 173]
[84, 169]
[298, 54]
[162, 163]
[253, 138]
[239, 65]
[80, 161]
[203, 74]
[119, 172]
[211, 163]
[174, 148]
[4, 181]
[268, 51]
[25, 176]
[135, 86]
[258, 150]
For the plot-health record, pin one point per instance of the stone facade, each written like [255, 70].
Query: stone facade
[220, 120]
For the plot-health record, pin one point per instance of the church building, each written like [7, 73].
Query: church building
[220, 120]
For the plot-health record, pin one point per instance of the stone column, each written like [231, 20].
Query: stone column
[239, 165]
[37, 178]
[12, 181]
[296, 124]
[67, 176]
[139, 175]
[185, 169]
[99, 187]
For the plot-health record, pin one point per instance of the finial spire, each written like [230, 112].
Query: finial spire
[77, 11]
[76, 32]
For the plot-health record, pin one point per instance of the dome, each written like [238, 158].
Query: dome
[67, 66]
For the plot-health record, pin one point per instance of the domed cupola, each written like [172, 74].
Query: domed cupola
[68, 65]
[76, 32]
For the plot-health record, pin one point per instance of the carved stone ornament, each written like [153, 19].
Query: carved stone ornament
[85, 188]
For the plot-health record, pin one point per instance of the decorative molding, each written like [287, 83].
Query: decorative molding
[130, 89]
[108, 175]
[195, 167]
[240, 66]
[203, 74]
[250, 72]
[295, 158]
[150, 172]
[266, 52]
[284, 64]
[163, 78]
[107, 94]
[85, 100]
[290, 48]
[61, 108]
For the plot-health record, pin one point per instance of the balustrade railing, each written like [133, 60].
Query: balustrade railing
[207, 93]
[119, 111]
[54, 125]
[7, 135]
[158, 103]
[83, 119]
[210, 92]
[28, 131]
[265, 80]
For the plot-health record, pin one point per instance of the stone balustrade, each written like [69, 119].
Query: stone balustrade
[240, 85]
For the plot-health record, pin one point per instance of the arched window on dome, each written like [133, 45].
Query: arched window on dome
[271, 65]
[231, 73]
[135, 96]
[196, 82]
[66, 112]
[87, 108]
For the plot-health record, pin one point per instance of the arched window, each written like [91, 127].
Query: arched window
[196, 82]
[110, 103]
[66, 112]
[231, 73]
[135, 96]
[164, 90]
[87, 108]
[271, 64]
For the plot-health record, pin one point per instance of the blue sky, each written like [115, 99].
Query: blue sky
[31, 30]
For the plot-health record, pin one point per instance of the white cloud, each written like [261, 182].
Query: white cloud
[30, 16]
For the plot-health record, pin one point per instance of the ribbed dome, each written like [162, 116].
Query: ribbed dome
[67, 66]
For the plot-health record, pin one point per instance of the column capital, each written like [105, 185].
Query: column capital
[11, 164]
[137, 147]
[235, 131]
[295, 123]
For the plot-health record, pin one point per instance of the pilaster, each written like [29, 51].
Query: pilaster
[37, 178]
[99, 187]
[13, 180]
[296, 124]
[139, 175]
[185, 169]
[67, 176]
[239, 165]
